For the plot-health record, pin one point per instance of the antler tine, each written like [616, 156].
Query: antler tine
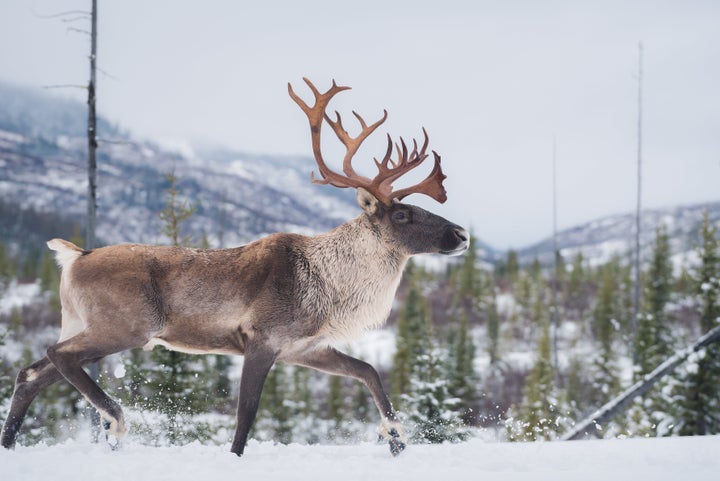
[353, 144]
[405, 163]
[389, 170]
[431, 186]
[315, 115]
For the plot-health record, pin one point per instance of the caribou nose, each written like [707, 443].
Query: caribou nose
[464, 238]
[458, 240]
[462, 234]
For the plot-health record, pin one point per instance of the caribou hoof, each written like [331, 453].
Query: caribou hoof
[396, 446]
[112, 437]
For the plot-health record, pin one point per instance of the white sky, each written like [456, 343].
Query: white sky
[492, 81]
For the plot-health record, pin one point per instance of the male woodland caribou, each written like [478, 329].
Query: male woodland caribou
[285, 297]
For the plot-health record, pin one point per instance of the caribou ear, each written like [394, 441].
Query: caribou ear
[367, 201]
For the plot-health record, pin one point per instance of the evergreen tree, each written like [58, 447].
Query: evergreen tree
[468, 303]
[362, 403]
[575, 295]
[175, 213]
[460, 369]
[653, 345]
[541, 414]
[493, 330]
[6, 385]
[625, 301]
[605, 379]
[50, 280]
[222, 389]
[469, 283]
[697, 395]
[512, 266]
[7, 270]
[411, 334]
[336, 401]
[431, 409]
[418, 381]
[298, 403]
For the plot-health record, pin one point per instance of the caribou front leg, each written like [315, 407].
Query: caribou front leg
[256, 365]
[335, 362]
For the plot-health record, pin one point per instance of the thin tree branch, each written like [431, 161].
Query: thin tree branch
[106, 74]
[61, 14]
[65, 86]
[78, 30]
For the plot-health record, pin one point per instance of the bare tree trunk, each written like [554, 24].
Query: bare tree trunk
[638, 213]
[92, 136]
[92, 184]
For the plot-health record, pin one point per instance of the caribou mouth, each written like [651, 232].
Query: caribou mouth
[461, 238]
[456, 252]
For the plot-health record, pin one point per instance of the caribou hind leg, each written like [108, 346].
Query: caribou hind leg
[69, 356]
[29, 383]
[334, 362]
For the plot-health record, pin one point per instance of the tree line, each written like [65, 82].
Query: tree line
[476, 349]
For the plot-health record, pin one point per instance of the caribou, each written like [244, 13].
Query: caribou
[285, 297]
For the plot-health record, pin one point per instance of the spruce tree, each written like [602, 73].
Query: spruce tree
[697, 395]
[7, 270]
[653, 343]
[541, 415]
[431, 410]
[469, 282]
[50, 280]
[575, 295]
[512, 266]
[460, 369]
[540, 404]
[336, 401]
[175, 213]
[6, 385]
[605, 379]
[411, 330]
[493, 330]
[419, 383]
[299, 404]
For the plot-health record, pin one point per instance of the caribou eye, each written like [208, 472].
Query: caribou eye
[401, 216]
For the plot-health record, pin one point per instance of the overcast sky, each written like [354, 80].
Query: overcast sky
[493, 82]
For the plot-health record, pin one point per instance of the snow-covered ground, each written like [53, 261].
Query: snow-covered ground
[690, 458]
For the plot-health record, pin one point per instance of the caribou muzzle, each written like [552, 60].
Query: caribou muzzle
[455, 241]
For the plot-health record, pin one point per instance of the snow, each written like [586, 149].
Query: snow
[693, 458]
[17, 296]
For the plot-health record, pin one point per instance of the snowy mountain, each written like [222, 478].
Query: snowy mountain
[602, 238]
[239, 196]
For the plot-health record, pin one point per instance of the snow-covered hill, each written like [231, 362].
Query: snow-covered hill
[602, 238]
[657, 459]
[240, 196]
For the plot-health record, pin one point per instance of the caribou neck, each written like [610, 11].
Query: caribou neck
[358, 291]
[360, 247]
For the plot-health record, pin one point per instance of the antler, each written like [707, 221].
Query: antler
[389, 170]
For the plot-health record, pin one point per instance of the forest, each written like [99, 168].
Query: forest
[504, 351]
